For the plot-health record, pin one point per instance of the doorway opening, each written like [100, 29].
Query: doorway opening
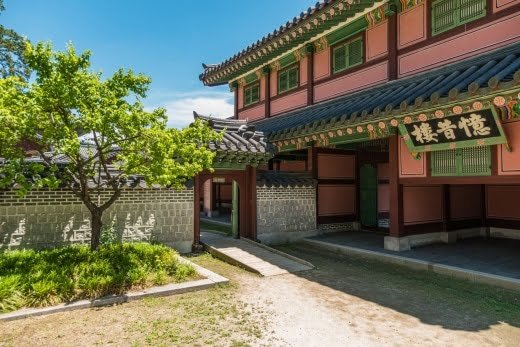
[219, 207]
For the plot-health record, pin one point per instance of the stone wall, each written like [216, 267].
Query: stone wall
[46, 218]
[285, 214]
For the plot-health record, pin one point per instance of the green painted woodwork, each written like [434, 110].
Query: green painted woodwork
[287, 60]
[448, 14]
[252, 77]
[234, 209]
[475, 161]
[288, 79]
[347, 55]
[347, 31]
[459, 144]
[240, 66]
[341, 139]
[251, 94]
[368, 195]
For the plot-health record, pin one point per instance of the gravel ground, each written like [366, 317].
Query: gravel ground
[344, 301]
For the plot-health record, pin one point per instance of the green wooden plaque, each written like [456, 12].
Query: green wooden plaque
[471, 129]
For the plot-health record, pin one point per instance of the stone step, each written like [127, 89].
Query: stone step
[254, 258]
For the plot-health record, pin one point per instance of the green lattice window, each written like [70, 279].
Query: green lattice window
[448, 14]
[347, 54]
[475, 161]
[251, 94]
[288, 79]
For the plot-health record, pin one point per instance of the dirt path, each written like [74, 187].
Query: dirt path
[345, 301]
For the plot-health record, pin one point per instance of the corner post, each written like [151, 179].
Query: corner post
[310, 74]
[393, 241]
[196, 247]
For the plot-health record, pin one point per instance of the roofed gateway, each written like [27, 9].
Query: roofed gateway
[405, 115]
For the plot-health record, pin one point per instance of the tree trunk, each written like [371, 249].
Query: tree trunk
[96, 228]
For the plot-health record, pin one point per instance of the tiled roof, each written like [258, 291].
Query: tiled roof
[284, 179]
[401, 96]
[316, 19]
[239, 136]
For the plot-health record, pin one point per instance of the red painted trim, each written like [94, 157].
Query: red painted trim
[357, 68]
[424, 228]
[337, 219]
[504, 223]
[396, 189]
[268, 95]
[461, 180]
[310, 78]
[236, 103]
[392, 47]
[481, 22]
[289, 92]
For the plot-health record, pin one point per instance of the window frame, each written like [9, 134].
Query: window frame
[459, 164]
[286, 69]
[250, 86]
[458, 21]
[345, 43]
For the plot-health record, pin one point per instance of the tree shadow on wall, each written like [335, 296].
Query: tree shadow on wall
[46, 231]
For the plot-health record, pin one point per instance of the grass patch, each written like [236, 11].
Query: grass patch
[207, 225]
[43, 278]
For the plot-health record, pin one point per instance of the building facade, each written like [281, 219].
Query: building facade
[405, 113]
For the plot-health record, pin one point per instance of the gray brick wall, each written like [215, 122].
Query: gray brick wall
[46, 218]
[285, 213]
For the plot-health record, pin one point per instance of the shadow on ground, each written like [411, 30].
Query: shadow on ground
[432, 298]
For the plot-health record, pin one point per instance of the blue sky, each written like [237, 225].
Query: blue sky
[165, 39]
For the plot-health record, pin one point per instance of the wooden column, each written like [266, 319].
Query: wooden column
[234, 209]
[310, 74]
[396, 189]
[196, 214]
[446, 205]
[392, 47]
[267, 71]
[252, 202]
[236, 100]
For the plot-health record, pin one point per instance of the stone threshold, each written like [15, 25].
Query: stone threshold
[211, 279]
[416, 264]
[218, 222]
[283, 254]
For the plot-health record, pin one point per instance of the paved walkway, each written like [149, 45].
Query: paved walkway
[495, 256]
[246, 254]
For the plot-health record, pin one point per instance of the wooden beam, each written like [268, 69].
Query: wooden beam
[396, 189]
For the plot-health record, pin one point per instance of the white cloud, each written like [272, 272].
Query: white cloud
[180, 106]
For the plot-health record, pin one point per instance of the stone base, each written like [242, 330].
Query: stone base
[504, 233]
[397, 243]
[335, 227]
[283, 237]
[197, 248]
[406, 243]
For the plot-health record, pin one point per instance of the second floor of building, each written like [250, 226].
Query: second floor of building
[373, 44]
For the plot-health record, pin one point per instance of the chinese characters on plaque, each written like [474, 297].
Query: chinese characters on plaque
[467, 130]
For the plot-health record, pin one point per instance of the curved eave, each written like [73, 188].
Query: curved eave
[312, 24]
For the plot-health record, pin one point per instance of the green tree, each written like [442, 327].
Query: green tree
[12, 45]
[93, 135]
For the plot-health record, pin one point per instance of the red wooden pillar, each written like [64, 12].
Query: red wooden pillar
[310, 74]
[267, 72]
[196, 214]
[396, 190]
[243, 206]
[252, 202]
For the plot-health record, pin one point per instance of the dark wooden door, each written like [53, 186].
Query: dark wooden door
[368, 195]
